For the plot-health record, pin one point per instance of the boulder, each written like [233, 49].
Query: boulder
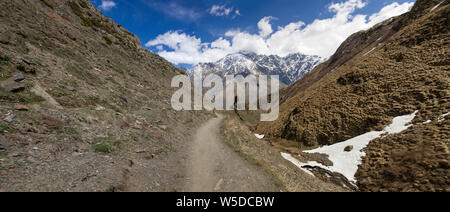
[18, 77]
[71, 88]
[27, 61]
[100, 108]
[3, 144]
[21, 107]
[348, 148]
[9, 118]
[10, 85]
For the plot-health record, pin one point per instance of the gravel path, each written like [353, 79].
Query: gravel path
[215, 167]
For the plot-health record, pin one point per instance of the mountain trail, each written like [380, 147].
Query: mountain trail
[215, 167]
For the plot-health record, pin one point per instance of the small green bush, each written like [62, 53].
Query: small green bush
[75, 8]
[70, 131]
[64, 130]
[104, 145]
[86, 22]
[25, 96]
[111, 189]
[29, 97]
[83, 4]
[108, 40]
[5, 58]
[4, 127]
[29, 85]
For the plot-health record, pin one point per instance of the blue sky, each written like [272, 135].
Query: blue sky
[191, 31]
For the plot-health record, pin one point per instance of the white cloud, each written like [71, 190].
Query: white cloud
[322, 37]
[107, 5]
[222, 10]
[387, 12]
[264, 26]
[189, 49]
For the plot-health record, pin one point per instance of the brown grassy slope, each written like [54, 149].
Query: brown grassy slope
[99, 104]
[415, 160]
[355, 44]
[406, 72]
[348, 49]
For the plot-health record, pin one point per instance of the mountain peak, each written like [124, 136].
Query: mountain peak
[290, 68]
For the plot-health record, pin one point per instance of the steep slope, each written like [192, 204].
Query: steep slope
[289, 68]
[393, 69]
[83, 107]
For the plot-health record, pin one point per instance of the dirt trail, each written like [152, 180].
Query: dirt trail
[214, 167]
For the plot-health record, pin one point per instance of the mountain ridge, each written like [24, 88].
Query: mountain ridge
[395, 68]
[83, 106]
[290, 68]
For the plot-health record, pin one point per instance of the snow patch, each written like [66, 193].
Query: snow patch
[369, 51]
[346, 163]
[427, 122]
[259, 136]
[442, 117]
[435, 7]
[399, 124]
[296, 163]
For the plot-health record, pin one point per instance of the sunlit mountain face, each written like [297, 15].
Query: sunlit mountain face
[289, 68]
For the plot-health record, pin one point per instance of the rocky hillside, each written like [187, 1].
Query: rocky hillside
[82, 106]
[392, 69]
[290, 68]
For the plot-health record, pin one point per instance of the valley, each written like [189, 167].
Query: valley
[85, 106]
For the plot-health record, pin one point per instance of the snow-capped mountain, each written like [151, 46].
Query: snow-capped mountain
[290, 68]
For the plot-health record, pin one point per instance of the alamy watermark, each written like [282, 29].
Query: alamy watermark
[213, 92]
